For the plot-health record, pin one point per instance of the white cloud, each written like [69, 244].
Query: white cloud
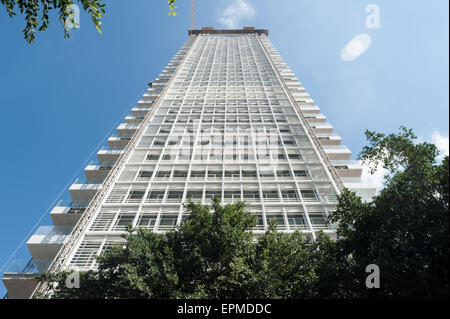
[377, 179]
[231, 17]
[441, 142]
[357, 46]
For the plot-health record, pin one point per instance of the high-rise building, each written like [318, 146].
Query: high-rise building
[227, 118]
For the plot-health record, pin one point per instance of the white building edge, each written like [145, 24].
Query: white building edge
[226, 117]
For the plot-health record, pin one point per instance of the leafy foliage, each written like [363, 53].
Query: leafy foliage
[37, 13]
[172, 8]
[405, 229]
[33, 8]
[214, 254]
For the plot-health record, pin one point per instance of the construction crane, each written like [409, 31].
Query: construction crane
[192, 14]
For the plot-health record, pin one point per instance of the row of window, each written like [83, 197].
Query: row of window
[170, 119]
[235, 174]
[119, 195]
[242, 129]
[198, 101]
[214, 155]
[234, 140]
[229, 90]
[111, 221]
[231, 112]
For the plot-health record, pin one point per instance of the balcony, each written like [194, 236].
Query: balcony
[133, 119]
[47, 241]
[96, 172]
[337, 152]
[139, 111]
[127, 128]
[351, 170]
[83, 192]
[108, 156]
[150, 97]
[307, 109]
[315, 118]
[329, 140]
[66, 215]
[115, 142]
[142, 103]
[365, 190]
[303, 101]
[322, 128]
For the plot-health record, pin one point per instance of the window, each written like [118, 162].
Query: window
[270, 195]
[167, 222]
[145, 174]
[215, 174]
[163, 174]
[290, 195]
[159, 143]
[308, 195]
[233, 174]
[197, 174]
[153, 157]
[278, 219]
[251, 195]
[266, 174]
[296, 221]
[319, 221]
[123, 220]
[147, 221]
[155, 196]
[180, 174]
[232, 195]
[300, 173]
[249, 174]
[283, 174]
[294, 156]
[195, 195]
[175, 196]
[135, 196]
[211, 194]
[289, 141]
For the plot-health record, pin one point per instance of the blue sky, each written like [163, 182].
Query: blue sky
[59, 97]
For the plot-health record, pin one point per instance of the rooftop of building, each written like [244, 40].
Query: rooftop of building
[244, 30]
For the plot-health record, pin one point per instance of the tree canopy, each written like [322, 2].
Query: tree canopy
[37, 12]
[404, 230]
[214, 254]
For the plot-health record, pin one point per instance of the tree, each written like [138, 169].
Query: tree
[212, 255]
[37, 13]
[404, 230]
